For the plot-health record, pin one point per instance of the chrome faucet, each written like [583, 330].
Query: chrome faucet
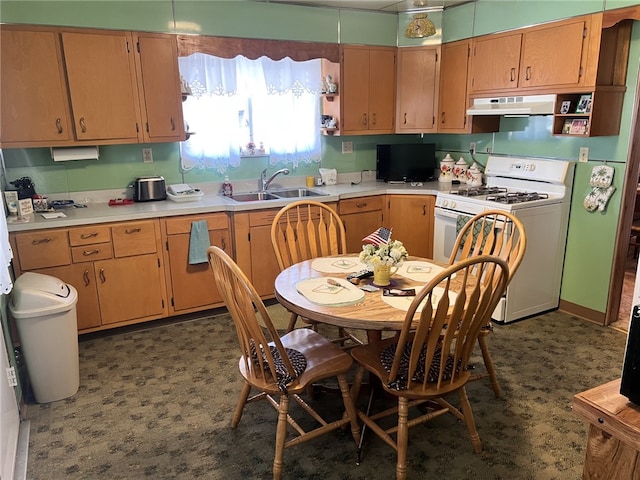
[265, 182]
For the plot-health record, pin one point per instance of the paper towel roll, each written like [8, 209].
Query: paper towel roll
[74, 153]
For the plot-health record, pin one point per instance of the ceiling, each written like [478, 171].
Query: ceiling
[383, 6]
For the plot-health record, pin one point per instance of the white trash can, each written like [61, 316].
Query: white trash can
[44, 308]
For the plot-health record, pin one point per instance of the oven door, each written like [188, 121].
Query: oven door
[444, 233]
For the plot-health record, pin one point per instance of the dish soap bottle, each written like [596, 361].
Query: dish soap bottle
[227, 188]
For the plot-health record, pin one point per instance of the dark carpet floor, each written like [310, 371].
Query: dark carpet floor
[157, 403]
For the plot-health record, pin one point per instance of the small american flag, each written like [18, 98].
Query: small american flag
[380, 237]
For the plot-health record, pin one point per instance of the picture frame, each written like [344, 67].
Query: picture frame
[584, 104]
[566, 128]
[579, 126]
[565, 107]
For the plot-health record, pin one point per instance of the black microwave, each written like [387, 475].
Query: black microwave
[406, 162]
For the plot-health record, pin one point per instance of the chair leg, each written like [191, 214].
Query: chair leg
[281, 436]
[402, 438]
[488, 363]
[470, 421]
[242, 401]
[292, 322]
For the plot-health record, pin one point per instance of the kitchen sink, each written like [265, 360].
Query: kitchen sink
[289, 193]
[297, 193]
[253, 197]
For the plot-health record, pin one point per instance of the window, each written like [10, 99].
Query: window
[241, 107]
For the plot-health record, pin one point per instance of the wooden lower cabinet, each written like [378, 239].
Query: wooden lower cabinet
[82, 277]
[192, 287]
[116, 268]
[254, 252]
[361, 216]
[411, 219]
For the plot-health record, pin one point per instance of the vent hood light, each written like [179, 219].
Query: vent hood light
[74, 153]
[511, 106]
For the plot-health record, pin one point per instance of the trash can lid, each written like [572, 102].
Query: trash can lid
[35, 295]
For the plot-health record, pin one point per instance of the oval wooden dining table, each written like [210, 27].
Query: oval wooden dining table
[372, 313]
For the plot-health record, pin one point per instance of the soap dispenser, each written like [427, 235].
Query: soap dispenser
[227, 188]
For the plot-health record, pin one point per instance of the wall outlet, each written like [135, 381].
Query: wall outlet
[584, 154]
[347, 147]
[472, 148]
[147, 155]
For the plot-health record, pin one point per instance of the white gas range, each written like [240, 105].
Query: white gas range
[538, 192]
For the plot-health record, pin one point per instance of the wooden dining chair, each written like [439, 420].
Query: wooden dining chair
[492, 232]
[429, 358]
[304, 230]
[277, 366]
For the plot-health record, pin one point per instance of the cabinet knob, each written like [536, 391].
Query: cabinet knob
[102, 276]
[88, 253]
[59, 124]
[512, 76]
[528, 73]
[405, 118]
[39, 241]
[130, 231]
[364, 119]
[373, 119]
[83, 125]
[84, 236]
[85, 276]
[173, 124]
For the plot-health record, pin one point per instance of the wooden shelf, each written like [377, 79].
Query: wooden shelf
[602, 119]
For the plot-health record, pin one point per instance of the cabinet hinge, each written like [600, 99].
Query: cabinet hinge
[11, 376]
[166, 245]
[138, 46]
[468, 51]
[147, 125]
[584, 32]
[436, 57]
[173, 303]
[158, 262]
[127, 45]
[248, 237]
[137, 128]
[580, 72]
[162, 302]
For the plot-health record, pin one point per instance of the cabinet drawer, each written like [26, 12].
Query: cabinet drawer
[99, 251]
[176, 226]
[89, 235]
[362, 204]
[134, 238]
[43, 249]
[262, 217]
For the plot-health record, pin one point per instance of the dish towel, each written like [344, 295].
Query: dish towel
[198, 242]
[601, 188]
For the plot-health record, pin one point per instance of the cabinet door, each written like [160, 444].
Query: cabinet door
[81, 276]
[102, 83]
[495, 63]
[411, 219]
[452, 103]
[130, 288]
[552, 56]
[34, 95]
[358, 226]
[160, 96]
[264, 266]
[193, 286]
[354, 95]
[382, 90]
[418, 76]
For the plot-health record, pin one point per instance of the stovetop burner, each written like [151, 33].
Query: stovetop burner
[478, 191]
[517, 197]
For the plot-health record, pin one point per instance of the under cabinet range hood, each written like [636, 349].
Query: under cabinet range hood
[513, 106]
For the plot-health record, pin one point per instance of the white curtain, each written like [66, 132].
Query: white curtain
[285, 109]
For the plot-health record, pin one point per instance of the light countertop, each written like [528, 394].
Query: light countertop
[101, 212]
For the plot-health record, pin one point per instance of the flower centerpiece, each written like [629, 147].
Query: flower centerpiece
[382, 254]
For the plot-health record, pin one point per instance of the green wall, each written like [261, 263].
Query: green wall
[591, 235]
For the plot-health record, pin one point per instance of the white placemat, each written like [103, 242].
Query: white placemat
[321, 292]
[419, 271]
[337, 264]
[402, 303]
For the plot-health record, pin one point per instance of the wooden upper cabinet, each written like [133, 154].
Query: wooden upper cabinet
[367, 95]
[558, 55]
[452, 99]
[553, 55]
[160, 98]
[102, 84]
[495, 62]
[32, 88]
[417, 93]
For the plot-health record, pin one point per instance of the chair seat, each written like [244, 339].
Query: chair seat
[324, 359]
[370, 357]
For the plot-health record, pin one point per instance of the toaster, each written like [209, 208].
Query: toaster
[146, 189]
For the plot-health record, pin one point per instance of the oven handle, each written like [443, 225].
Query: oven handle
[443, 212]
